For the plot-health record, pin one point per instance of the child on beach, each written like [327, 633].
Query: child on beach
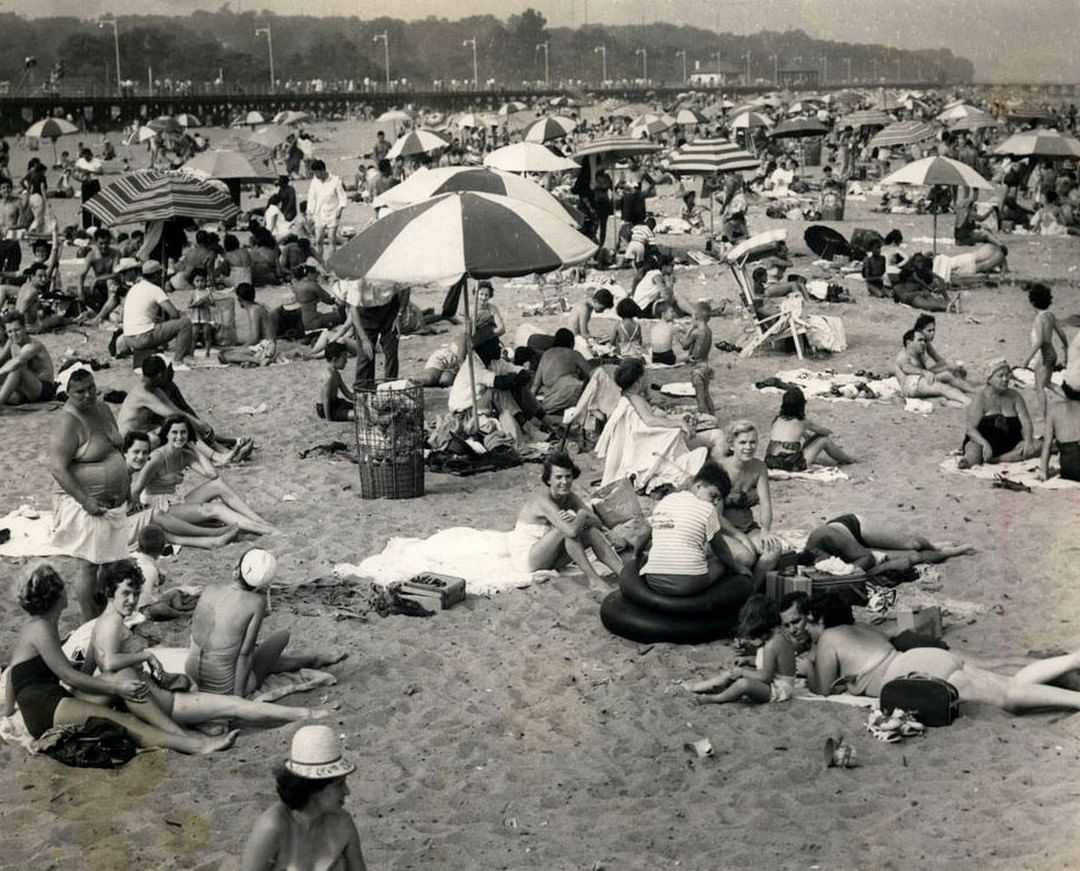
[873, 270]
[337, 399]
[662, 334]
[628, 341]
[151, 547]
[201, 310]
[699, 342]
[1043, 353]
[773, 677]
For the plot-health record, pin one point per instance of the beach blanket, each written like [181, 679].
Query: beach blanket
[803, 694]
[835, 386]
[821, 474]
[1025, 472]
[31, 534]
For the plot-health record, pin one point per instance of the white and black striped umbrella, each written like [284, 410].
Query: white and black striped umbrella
[186, 120]
[51, 128]
[527, 157]
[750, 120]
[416, 142]
[441, 240]
[706, 156]
[155, 195]
[902, 133]
[550, 128]
[938, 170]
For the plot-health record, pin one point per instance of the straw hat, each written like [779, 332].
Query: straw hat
[125, 264]
[257, 567]
[315, 754]
[151, 267]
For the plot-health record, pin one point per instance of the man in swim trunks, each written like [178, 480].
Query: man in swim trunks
[578, 322]
[255, 337]
[26, 369]
[308, 293]
[916, 379]
[224, 656]
[10, 207]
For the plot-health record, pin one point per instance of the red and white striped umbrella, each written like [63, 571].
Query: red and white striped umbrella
[438, 241]
[154, 195]
[416, 142]
[1039, 143]
[550, 128]
[902, 133]
[706, 156]
[51, 128]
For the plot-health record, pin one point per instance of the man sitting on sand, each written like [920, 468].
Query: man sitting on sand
[917, 380]
[26, 369]
[308, 293]
[224, 656]
[151, 321]
[600, 301]
[561, 375]
[256, 339]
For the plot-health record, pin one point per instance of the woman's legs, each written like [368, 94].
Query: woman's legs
[269, 658]
[603, 549]
[547, 552]
[576, 551]
[1018, 453]
[196, 708]
[824, 444]
[86, 590]
[218, 489]
[752, 689]
[76, 712]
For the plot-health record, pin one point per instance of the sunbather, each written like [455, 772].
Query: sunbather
[999, 426]
[918, 381]
[1063, 429]
[850, 537]
[796, 442]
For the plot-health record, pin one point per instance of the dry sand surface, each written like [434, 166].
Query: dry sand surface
[515, 732]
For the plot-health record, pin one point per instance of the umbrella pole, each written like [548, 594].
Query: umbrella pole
[469, 350]
[935, 235]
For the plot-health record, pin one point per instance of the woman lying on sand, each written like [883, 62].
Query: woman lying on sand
[860, 660]
[157, 484]
[38, 664]
[796, 442]
[851, 537]
[998, 423]
[119, 653]
[309, 826]
[555, 526]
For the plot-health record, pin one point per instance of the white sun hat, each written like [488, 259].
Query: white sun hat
[257, 567]
[315, 754]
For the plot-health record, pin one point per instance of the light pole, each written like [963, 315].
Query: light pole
[602, 51]
[748, 67]
[385, 38]
[776, 69]
[825, 73]
[644, 52]
[847, 60]
[898, 76]
[874, 60]
[116, 45]
[543, 46]
[270, 50]
[682, 53]
[475, 68]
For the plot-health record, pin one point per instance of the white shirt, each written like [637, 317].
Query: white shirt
[325, 199]
[275, 222]
[648, 289]
[460, 398]
[93, 166]
[141, 306]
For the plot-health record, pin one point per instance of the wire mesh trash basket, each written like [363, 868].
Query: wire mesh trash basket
[390, 440]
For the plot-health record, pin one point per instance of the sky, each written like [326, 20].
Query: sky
[1007, 40]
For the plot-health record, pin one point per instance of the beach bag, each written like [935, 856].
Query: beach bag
[935, 702]
[97, 743]
[617, 503]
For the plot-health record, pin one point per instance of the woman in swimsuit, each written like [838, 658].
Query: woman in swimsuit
[1043, 354]
[751, 542]
[90, 520]
[796, 442]
[998, 424]
[38, 664]
[861, 660]
[489, 320]
[120, 654]
[555, 526]
[308, 828]
[850, 537]
[1063, 427]
[157, 484]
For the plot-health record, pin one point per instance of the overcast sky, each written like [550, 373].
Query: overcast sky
[1008, 40]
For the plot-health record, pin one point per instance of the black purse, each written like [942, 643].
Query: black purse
[933, 701]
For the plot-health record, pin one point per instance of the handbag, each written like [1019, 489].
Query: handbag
[935, 702]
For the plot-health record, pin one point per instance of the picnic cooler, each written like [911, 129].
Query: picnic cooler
[390, 440]
[850, 587]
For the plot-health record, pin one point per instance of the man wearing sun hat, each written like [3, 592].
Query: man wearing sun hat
[151, 321]
[224, 656]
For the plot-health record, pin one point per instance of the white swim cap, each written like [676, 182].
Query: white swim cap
[257, 567]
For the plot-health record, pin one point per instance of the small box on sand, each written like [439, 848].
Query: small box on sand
[434, 591]
[924, 621]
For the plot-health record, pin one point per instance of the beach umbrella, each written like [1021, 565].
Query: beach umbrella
[886, 102]
[708, 156]
[648, 129]
[866, 118]
[416, 142]
[156, 195]
[51, 128]
[186, 120]
[629, 110]
[249, 119]
[141, 135]
[957, 111]
[550, 128]
[427, 183]
[475, 120]
[270, 137]
[1028, 113]
[938, 171]
[798, 127]
[902, 133]
[690, 118]
[826, 242]
[165, 124]
[527, 157]
[291, 116]
[615, 146]
[980, 121]
[395, 116]
[750, 120]
[228, 165]
[1039, 143]
[512, 108]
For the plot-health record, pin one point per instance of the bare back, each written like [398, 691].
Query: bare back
[222, 617]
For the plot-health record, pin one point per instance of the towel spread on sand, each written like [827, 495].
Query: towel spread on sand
[31, 534]
[819, 385]
[822, 474]
[802, 693]
[1025, 472]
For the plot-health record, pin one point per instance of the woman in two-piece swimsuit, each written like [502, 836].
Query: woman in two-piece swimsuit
[1063, 429]
[850, 537]
[796, 442]
[38, 664]
[999, 426]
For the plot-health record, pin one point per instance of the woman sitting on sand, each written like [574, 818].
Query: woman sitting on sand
[860, 660]
[308, 827]
[157, 485]
[119, 653]
[998, 423]
[850, 537]
[555, 526]
[751, 542]
[1063, 428]
[796, 442]
[38, 664]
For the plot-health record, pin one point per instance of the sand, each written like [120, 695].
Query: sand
[515, 732]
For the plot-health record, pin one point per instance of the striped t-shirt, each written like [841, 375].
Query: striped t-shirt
[683, 525]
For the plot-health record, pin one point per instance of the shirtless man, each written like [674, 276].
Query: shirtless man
[578, 321]
[99, 266]
[224, 656]
[10, 250]
[26, 369]
[255, 338]
[916, 378]
[308, 293]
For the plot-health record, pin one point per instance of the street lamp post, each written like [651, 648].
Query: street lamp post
[602, 51]
[116, 45]
[259, 31]
[384, 37]
[898, 76]
[682, 53]
[543, 46]
[475, 68]
[825, 72]
[644, 52]
[776, 69]
[847, 60]
[748, 67]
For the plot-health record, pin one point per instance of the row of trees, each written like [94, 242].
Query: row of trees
[197, 47]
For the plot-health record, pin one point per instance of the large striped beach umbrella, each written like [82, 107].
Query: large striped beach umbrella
[512, 107]
[902, 133]
[975, 121]
[291, 116]
[51, 128]
[796, 128]
[690, 118]
[550, 128]
[427, 183]
[708, 156]
[166, 124]
[527, 157]
[186, 120]
[750, 120]
[957, 111]
[1039, 143]
[416, 142]
[229, 165]
[615, 146]
[155, 195]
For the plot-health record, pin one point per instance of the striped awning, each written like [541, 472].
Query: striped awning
[155, 195]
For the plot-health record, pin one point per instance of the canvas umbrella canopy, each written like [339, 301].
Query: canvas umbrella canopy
[1039, 143]
[866, 118]
[270, 137]
[250, 119]
[981, 121]
[394, 116]
[229, 165]
[527, 157]
[166, 124]
[938, 171]
[416, 142]
[550, 128]
[156, 195]
[427, 183]
[186, 120]
[826, 242]
[512, 107]
[291, 116]
[143, 134]
[629, 110]
[958, 111]
[750, 120]
[51, 128]
[1028, 113]
[708, 157]
[690, 118]
[648, 129]
[474, 120]
[798, 127]
[615, 146]
[902, 133]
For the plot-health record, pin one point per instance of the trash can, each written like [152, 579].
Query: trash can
[390, 440]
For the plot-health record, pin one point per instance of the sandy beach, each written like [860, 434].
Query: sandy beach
[514, 732]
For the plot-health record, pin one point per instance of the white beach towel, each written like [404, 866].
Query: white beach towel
[819, 385]
[1025, 472]
[822, 474]
[30, 536]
